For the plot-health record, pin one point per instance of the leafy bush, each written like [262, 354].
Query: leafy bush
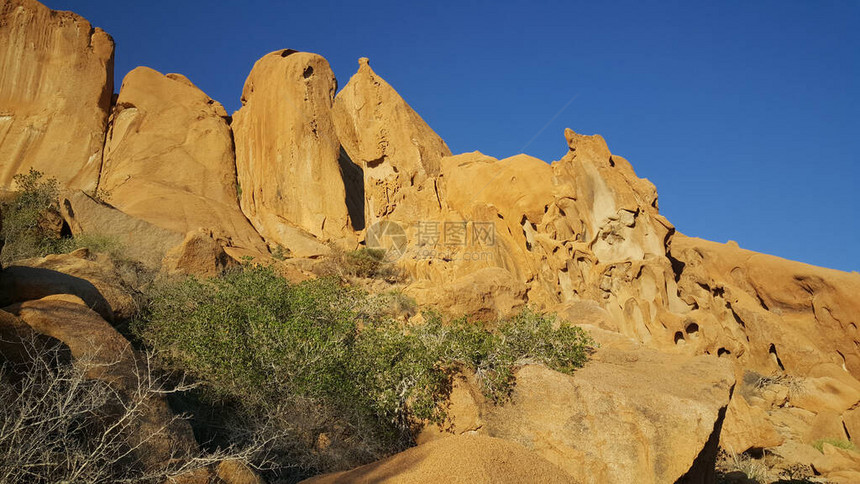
[344, 384]
[25, 216]
[31, 223]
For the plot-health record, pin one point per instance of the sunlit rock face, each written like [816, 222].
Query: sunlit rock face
[287, 150]
[56, 81]
[719, 338]
[169, 159]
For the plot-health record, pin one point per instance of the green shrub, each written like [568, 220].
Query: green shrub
[31, 223]
[343, 383]
[25, 217]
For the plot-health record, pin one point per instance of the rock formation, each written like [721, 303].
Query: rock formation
[287, 150]
[704, 344]
[395, 148]
[92, 341]
[56, 81]
[169, 159]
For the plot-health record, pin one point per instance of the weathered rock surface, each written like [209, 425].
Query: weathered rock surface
[287, 150]
[839, 466]
[627, 416]
[96, 282]
[169, 159]
[747, 427]
[56, 81]
[17, 339]
[141, 240]
[770, 313]
[465, 409]
[464, 458]
[395, 148]
[487, 294]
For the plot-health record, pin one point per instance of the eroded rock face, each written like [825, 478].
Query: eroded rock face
[56, 81]
[287, 150]
[396, 149]
[627, 416]
[771, 314]
[582, 228]
[169, 159]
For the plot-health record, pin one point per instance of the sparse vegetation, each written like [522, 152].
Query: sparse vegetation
[58, 424]
[342, 382]
[838, 443]
[362, 263]
[280, 253]
[26, 218]
[102, 195]
[730, 466]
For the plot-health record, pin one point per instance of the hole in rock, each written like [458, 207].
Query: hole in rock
[309, 71]
[723, 351]
[65, 230]
[755, 452]
[287, 52]
[692, 328]
[679, 338]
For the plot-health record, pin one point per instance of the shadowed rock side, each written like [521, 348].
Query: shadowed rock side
[397, 150]
[92, 340]
[169, 159]
[56, 81]
[287, 150]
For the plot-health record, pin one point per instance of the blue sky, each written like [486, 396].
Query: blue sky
[743, 114]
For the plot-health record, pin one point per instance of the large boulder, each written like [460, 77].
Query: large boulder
[627, 416]
[200, 253]
[473, 459]
[287, 150]
[55, 92]
[169, 159]
[95, 281]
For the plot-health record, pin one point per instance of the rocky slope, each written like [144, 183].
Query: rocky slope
[703, 343]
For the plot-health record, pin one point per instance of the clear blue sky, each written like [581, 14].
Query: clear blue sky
[744, 114]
